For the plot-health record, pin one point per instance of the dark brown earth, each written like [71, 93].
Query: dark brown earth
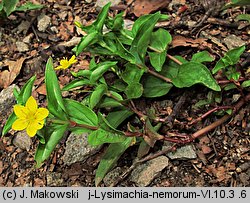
[223, 153]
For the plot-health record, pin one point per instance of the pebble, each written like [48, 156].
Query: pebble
[43, 22]
[100, 3]
[22, 140]
[145, 173]
[7, 100]
[54, 179]
[77, 149]
[185, 152]
[22, 47]
[232, 41]
[112, 176]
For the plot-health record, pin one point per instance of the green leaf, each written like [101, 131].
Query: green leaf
[79, 113]
[9, 123]
[201, 57]
[97, 94]
[75, 83]
[28, 6]
[26, 91]
[193, 73]
[116, 23]
[110, 102]
[54, 96]
[235, 3]
[132, 73]
[141, 41]
[52, 139]
[231, 58]
[245, 84]
[230, 87]
[160, 40]
[157, 59]
[87, 40]
[117, 116]
[82, 73]
[98, 24]
[9, 6]
[124, 53]
[134, 90]
[155, 87]
[101, 69]
[245, 17]
[138, 23]
[111, 156]
[101, 136]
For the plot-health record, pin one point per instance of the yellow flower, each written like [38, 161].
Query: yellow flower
[65, 63]
[29, 117]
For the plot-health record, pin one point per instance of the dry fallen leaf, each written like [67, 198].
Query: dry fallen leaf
[8, 76]
[142, 7]
[188, 42]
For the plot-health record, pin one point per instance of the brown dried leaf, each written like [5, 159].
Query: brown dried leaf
[8, 76]
[142, 7]
[188, 42]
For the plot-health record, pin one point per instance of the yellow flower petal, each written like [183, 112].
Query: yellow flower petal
[41, 113]
[20, 124]
[38, 124]
[64, 62]
[72, 60]
[31, 131]
[31, 105]
[21, 111]
[58, 68]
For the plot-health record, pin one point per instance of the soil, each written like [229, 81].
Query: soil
[223, 154]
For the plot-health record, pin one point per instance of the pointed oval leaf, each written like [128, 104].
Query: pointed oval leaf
[111, 156]
[157, 59]
[134, 90]
[195, 73]
[201, 57]
[75, 83]
[26, 91]
[54, 96]
[101, 69]
[101, 136]
[80, 114]
[132, 73]
[9, 123]
[155, 87]
[44, 150]
[140, 43]
[97, 94]
[160, 40]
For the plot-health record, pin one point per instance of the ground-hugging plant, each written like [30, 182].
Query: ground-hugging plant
[139, 66]
[9, 6]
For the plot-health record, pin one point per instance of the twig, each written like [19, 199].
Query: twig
[159, 76]
[209, 112]
[174, 59]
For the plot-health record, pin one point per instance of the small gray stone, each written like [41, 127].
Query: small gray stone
[145, 173]
[43, 22]
[100, 3]
[22, 47]
[232, 41]
[7, 100]
[77, 148]
[112, 176]
[23, 27]
[22, 140]
[54, 179]
[28, 38]
[185, 152]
